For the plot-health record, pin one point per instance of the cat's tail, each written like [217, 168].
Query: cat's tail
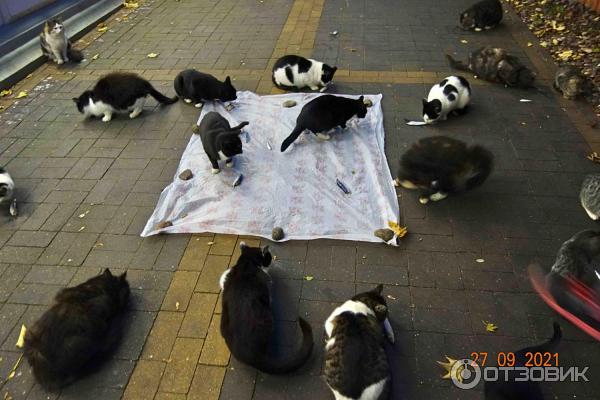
[74, 55]
[45, 373]
[161, 98]
[272, 366]
[291, 138]
[240, 126]
[482, 163]
[459, 65]
[549, 346]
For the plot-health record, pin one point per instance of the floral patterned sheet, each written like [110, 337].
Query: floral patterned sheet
[295, 190]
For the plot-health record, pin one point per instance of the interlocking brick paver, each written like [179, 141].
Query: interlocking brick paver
[207, 382]
[144, 380]
[162, 336]
[181, 366]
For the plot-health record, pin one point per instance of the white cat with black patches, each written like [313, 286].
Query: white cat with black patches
[7, 188]
[452, 94]
[294, 72]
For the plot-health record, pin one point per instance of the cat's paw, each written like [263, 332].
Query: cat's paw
[59, 62]
[229, 164]
[134, 113]
[323, 136]
[423, 200]
[199, 105]
[106, 118]
[314, 87]
[215, 171]
[396, 182]
[188, 101]
[324, 88]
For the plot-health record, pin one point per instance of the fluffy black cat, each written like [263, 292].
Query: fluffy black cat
[118, 92]
[247, 318]
[496, 65]
[440, 165]
[576, 258]
[324, 113]
[219, 140]
[485, 14]
[295, 72]
[79, 330]
[513, 389]
[195, 87]
[356, 366]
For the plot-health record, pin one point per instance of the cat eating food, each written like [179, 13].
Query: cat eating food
[247, 317]
[294, 73]
[451, 95]
[324, 113]
[496, 65]
[356, 366]
[440, 165]
[219, 140]
[118, 92]
[485, 14]
[195, 87]
[56, 45]
[590, 196]
[79, 330]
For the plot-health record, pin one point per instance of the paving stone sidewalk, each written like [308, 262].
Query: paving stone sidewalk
[86, 189]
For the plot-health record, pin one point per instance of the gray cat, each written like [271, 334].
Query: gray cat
[56, 45]
[356, 366]
[590, 196]
[571, 83]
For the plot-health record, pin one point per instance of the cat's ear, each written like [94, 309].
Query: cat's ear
[265, 250]
[380, 308]
[333, 70]
[424, 102]
[123, 276]
[361, 99]
[243, 246]
[228, 80]
[107, 272]
[75, 99]
[378, 289]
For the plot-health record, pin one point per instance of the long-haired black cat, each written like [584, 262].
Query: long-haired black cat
[80, 329]
[247, 318]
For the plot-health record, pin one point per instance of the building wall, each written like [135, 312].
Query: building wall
[13, 9]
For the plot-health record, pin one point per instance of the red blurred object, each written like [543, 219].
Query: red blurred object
[578, 289]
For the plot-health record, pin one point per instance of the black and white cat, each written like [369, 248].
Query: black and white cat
[7, 186]
[56, 45]
[118, 92]
[196, 87]
[512, 386]
[80, 329]
[485, 14]
[295, 72]
[356, 366]
[247, 318]
[324, 113]
[219, 140]
[440, 165]
[590, 196]
[452, 94]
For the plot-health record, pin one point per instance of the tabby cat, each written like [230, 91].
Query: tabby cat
[56, 45]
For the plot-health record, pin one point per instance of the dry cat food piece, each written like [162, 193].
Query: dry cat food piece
[196, 129]
[277, 234]
[186, 175]
[384, 234]
[289, 103]
[164, 224]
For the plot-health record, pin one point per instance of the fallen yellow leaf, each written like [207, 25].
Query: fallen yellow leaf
[448, 366]
[400, 231]
[102, 29]
[21, 340]
[6, 92]
[308, 278]
[464, 41]
[565, 55]
[490, 327]
[544, 44]
[152, 55]
[210, 243]
[130, 5]
[21, 94]
[95, 56]
[529, 44]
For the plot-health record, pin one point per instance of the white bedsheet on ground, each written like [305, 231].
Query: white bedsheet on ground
[295, 190]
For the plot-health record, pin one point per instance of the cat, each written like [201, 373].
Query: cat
[295, 72]
[56, 45]
[356, 366]
[195, 87]
[440, 165]
[576, 258]
[571, 83]
[7, 186]
[324, 113]
[514, 388]
[485, 14]
[118, 92]
[219, 140]
[590, 196]
[496, 65]
[78, 332]
[452, 94]
[247, 318]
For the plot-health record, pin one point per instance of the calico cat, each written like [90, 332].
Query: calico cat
[571, 83]
[7, 186]
[452, 94]
[79, 330]
[590, 196]
[576, 258]
[118, 92]
[219, 140]
[485, 14]
[356, 366]
[56, 45]
[520, 389]
[496, 65]
[247, 318]
[324, 113]
[195, 87]
[440, 165]
[294, 72]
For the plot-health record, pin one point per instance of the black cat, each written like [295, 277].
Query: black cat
[195, 87]
[220, 141]
[247, 318]
[440, 165]
[324, 113]
[484, 14]
[79, 330]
